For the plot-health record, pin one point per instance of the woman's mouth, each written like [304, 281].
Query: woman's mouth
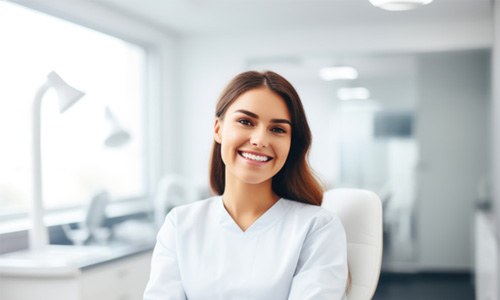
[254, 157]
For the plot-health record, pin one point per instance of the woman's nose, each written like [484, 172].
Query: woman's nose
[259, 138]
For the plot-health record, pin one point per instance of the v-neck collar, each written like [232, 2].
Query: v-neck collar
[274, 213]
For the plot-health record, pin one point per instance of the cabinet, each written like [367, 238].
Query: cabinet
[486, 259]
[120, 279]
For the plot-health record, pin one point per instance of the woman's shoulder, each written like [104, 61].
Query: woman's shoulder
[199, 206]
[192, 216]
[314, 215]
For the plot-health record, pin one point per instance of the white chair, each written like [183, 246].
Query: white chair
[361, 214]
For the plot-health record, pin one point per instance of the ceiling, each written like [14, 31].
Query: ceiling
[221, 17]
[188, 17]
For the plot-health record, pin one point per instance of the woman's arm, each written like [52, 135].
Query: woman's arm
[322, 267]
[165, 281]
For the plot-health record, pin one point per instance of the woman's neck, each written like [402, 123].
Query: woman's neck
[247, 202]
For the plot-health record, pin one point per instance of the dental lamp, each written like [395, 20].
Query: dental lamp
[117, 136]
[67, 95]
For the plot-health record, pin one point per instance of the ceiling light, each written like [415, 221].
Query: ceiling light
[339, 72]
[396, 5]
[356, 93]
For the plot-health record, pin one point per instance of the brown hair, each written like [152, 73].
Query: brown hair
[295, 180]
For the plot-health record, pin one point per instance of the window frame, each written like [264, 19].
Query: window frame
[159, 47]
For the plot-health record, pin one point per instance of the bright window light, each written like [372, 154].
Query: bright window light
[338, 73]
[356, 93]
[75, 161]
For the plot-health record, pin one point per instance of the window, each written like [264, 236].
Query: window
[75, 161]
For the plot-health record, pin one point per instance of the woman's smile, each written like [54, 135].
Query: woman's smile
[255, 157]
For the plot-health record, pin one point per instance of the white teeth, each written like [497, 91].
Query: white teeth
[254, 157]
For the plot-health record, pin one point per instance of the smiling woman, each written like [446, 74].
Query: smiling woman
[264, 236]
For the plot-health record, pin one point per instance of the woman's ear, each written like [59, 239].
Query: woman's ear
[217, 128]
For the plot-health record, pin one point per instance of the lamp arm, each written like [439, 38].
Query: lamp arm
[38, 235]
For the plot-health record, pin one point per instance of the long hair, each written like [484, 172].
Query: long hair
[295, 180]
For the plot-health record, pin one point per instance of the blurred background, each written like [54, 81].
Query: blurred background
[403, 103]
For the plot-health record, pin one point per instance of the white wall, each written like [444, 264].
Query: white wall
[207, 63]
[452, 130]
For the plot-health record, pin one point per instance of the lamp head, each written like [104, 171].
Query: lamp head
[67, 94]
[117, 135]
[117, 138]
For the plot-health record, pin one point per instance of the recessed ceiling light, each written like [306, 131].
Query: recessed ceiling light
[356, 93]
[396, 5]
[338, 73]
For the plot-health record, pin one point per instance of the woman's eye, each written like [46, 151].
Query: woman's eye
[245, 122]
[278, 130]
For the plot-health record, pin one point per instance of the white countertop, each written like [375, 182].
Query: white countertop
[65, 261]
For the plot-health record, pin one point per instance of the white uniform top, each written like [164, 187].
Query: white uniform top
[293, 251]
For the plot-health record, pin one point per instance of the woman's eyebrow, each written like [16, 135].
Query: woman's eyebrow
[255, 116]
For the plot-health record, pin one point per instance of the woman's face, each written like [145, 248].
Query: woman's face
[255, 136]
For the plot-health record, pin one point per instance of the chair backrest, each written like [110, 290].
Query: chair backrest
[361, 214]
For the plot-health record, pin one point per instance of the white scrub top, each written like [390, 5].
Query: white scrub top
[293, 251]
